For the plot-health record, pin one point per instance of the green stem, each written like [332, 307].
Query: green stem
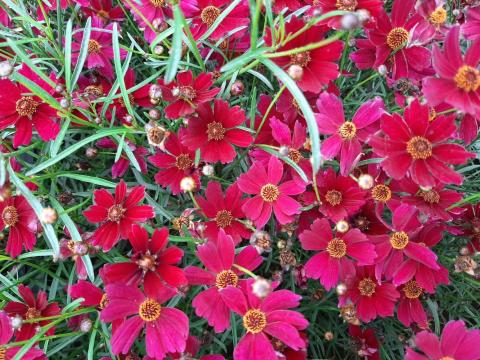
[51, 337]
[246, 271]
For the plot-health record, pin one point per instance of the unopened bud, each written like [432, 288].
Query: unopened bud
[48, 215]
[382, 70]
[154, 114]
[64, 103]
[365, 181]
[155, 92]
[342, 226]
[91, 152]
[349, 21]
[85, 325]
[17, 322]
[6, 69]
[208, 170]
[261, 287]
[283, 150]
[187, 184]
[329, 336]
[341, 289]
[295, 72]
[237, 88]
[158, 50]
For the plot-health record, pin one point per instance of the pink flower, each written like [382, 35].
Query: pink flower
[224, 211]
[166, 328]
[456, 342]
[410, 309]
[347, 136]
[92, 295]
[269, 194]
[219, 259]
[337, 255]
[121, 166]
[116, 214]
[151, 263]
[265, 317]
[471, 27]
[215, 132]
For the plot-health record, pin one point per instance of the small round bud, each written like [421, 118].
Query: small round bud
[48, 215]
[158, 50]
[128, 119]
[317, 12]
[352, 42]
[237, 88]
[155, 92]
[342, 226]
[261, 287]
[17, 322]
[64, 103]
[281, 244]
[175, 91]
[365, 181]
[208, 170]
[154, 114]
[283, 150]
[341, 289]
[6, 69]
[59, 89]
[91, 153]
[464, 251]
[349, 21]
[201, 227]
[295, 72]
[382, 70]
[157, 23]
[362, 15]
[85, 325]
[187, 184]
[98, 121]
[329, 336]
[456, 12]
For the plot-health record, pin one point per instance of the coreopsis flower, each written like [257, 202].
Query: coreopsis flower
[219, 259]
[270, 195]
[207, 12]
[17, 216]
[340, 195]
[215, 132]
[471, 27]
[75, 249]
[176, 163]
[337, 255]
[117, 214]
[152, 263]
[410, 309]
[265, 317]
[187, 93]
[458, 81]
[396, 44]
[365, 342]
[121, 166]
[435, 14]
[166, 328]
[346, 136]
[6, 334]
[374, 8]
[468, 129]
[318, 65]
[434, 202]
[24, 111]
[91, 294]
[456, 342]
[224, 211]
[371, 297]
[413, 145]
[32, 307]
[100, 49]
[103, 9]
[367, 221]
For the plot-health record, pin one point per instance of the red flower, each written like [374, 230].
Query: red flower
[219, 259]
[26, 111]
[458, 83]
[337, 255]
[121, 166]
[92, 295]
[32, 307]
[374, 8]
[269, 195]
[6, 334]
[175, 164]
[100, 50]
[265, 317]
[117, 214]
[76, 249]
[365, 342]
[215, 132]
[372, 298]
[151, 263]
[471, 27]
[103, 9]
[187, 93]
[340, 195]
[224, 211]
[456, 342]
[166, 328]
[410, 309]
[416, 146]
[18, 216]
[206, 13]
[318, 65]
[347, 136]
[192, 348]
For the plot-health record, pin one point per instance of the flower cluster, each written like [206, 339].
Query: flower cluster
[269, 169]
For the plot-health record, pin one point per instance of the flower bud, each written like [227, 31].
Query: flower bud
[342, 226]
[154, 114]
[17, 322]
[295, 72]
[6, 69]
[85, 325]
[329, 336]
[64, 103]
[341, 289]
[208, 170]
[155, 92]
[365, 181]
[382, 70]
[237, 88]
[48, 215]
[261, 287]
[283, 150]
[158, 50]
[91, 152]
[187, 184]
[349, 21]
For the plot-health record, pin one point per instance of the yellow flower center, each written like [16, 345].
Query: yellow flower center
[147, 263]
[131, 100]
[333, 197]
[438, 17]
[223, 218]
[225, 278]
[419, 148]
[397, 38]
[187, 93]
[215, 131]
[295, 155]
[158, 3]
[346, 5]
[32, 313]
[467, 78]
[367, 287]
[381, 193]
[103, 302]
[301, 59]
[269, 192]
[209, 15]
[149, 310]
[337, 248]
[183, 162]
[115, 213]
[254, 321]
[412, 290]
[94, 47]
[348, 130]
[399, 240]
[26, 106]
[430, 196]
[10, 215]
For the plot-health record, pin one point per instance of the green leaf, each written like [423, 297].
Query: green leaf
[82, 55]
[176, 49]
[242, 60]
[304, 106]
[88, 179]
[68, 56]
[36, 253]
[75, 147]
[118, 69]
[58, 141]
[48, 232]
